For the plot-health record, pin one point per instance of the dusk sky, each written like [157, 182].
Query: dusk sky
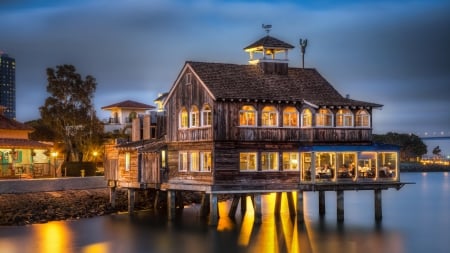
[391, 52]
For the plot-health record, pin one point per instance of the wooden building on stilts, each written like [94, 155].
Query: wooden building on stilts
[253, 129]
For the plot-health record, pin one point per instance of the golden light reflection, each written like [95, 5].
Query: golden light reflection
[246, 230]
[97, 248]
[225, 223]
[53, 237]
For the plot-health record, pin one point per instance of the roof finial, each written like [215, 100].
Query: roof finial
[303, 44]
[267, 28]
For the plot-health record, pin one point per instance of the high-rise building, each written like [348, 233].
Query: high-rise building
[8, 85]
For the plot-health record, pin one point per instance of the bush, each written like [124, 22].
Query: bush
[74, 169]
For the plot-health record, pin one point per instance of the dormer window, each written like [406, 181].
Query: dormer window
[362, 118]
[324, 118]
[247, 116]
[188, 78]
[344, 118]
[306, 118]
[269, 116]
[195, 117]
[290, 117]
[184, 119]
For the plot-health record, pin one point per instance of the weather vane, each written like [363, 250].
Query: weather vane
[303, 44]
[267, 28]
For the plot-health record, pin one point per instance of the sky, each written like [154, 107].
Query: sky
[391, 52]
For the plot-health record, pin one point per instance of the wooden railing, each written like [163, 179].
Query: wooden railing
[195, 134]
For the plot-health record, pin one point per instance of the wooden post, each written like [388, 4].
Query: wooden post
[131, 198]
[204, 206]
[300, 211]
[213, 210]
[179, 201]
[258, 208]
[321, 203]
[291, 204]
[378, 209]
[112, 196]
[278, 198]
[155, 203]
[170, 205]
[243, 204]
[340, 205]
[234, 205]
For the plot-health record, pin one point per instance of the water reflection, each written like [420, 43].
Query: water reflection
[52, 237]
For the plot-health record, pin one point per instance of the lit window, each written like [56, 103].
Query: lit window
[247, 116]
[195, 166]
[247, 161]
[290, 117]
[127, 161]
[195, 120]
[362, 118]
[290, 160]
[269, 161]
[205, 161]
[184, 119]
[306, 118]
[206, 116]
[324, 118]
[344, 118]
[183, 161]
[269, 116]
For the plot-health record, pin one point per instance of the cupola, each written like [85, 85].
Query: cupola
[272, 53]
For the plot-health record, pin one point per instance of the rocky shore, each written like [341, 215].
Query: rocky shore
[41, 207]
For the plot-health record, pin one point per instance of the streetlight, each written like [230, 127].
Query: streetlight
[54, 155]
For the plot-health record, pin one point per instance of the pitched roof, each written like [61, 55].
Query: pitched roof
[22, 143]
[269, 42]
[129, 104]
[10, 124]
[233, 81]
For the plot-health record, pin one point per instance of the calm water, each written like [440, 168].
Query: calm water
[415, 219]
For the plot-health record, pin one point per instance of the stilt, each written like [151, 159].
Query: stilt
[179, 201]
[204, 206]
[278, 198]
[340, 205]
[300, 211]
[378, 209]
[155, 203]
[258, 208]
[131, 198]
[243, 204]
[213, 207]
[170, 205]
[321, 203]
[234, 205]
[112, 196]
[291, 204]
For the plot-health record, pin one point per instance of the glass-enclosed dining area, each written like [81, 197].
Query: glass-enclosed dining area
[349, 163]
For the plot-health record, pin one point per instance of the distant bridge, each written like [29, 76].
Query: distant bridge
[434, 135]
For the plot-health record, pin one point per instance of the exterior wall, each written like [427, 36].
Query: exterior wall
[13, 134]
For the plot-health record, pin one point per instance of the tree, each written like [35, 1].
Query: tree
[42, 131]
[70, 113]
[437, 151]
[411, 146]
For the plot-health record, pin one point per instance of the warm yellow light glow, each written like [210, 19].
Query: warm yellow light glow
[95, 153]
[55, 154]
[97, 248]
[225, 223]
[53, 237]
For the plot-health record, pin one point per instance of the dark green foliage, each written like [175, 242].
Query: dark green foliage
[411, 146]
[42, 132]
[437, 151]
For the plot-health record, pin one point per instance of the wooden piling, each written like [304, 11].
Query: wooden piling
[170, 205]
[257, 206]
[243, 204]
[131, 199]
[204, 205]
[234, 205]
[278, 197]
[112, 196]
[340, 205]
[321, 203]
[378, 207]
[300, 211]
[291, 205]
[156, 201]
[213, 210]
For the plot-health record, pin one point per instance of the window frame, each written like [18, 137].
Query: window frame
[244, 112]
[206, 116]
[272, 159]
[194, 161]
[324, 119]
[361, 116]
[269, 118]
[288, 115]
[208, 156]
[250, 157]
[305, 113]
[184, 118]
[194, 119]
[183, 161]
[290, 161]
[344, 118]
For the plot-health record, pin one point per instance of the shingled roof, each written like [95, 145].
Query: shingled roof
[10, 124]
[269, 42]
[129, 104]
[233, 81]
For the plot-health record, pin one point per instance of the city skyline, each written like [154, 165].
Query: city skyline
[395, 53]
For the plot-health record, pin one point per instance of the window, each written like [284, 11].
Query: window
[387, 164]
[306, 166]
[205, 161]
[127, 161]
[183, 161]
[362, 118]
[247, 116]
[206, 116]
[290, 160]
[290, 117]
[247, 161]
[306, 118]
[184, 119]
[195, 166]
[324, 118]
[344, 118]
[195, 119]
[269, 116]
[269, 161]
[346, 164]
[188, 78]
[325, 165]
